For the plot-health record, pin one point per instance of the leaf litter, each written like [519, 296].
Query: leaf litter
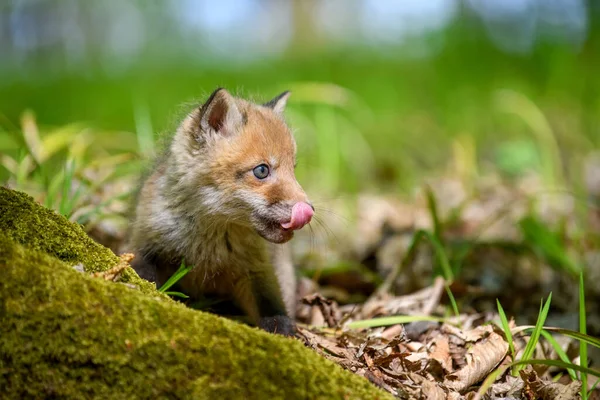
[425, 359]
[358, 271]
[506, 241]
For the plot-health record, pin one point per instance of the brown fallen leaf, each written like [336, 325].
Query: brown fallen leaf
[319, 342]
[328, 308]
[476, 334]
[508, 388]
[537, 388]
[316, 317]
[481, 359]
[440, 351]
[426, 389]
[393, 331]
[432, 391]
[377, 381]
[454, 396]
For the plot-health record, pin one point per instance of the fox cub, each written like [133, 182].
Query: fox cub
[224, 198]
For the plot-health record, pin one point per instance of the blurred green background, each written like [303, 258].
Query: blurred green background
[384, 92]
[493, 104]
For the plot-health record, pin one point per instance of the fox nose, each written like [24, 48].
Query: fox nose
[301, 215]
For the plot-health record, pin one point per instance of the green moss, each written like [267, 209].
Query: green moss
[67, 335]
[26, 222]
[64, 334]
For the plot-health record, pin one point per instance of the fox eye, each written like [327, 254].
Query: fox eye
[261, 171]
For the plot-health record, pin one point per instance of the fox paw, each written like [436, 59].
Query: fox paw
[280, 324]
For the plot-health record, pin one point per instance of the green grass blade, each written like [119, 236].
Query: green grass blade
[535, 335]
[561, 364]
[410, 254]
[441, 255]
[432, 206]
[74, 200]
[180, 273]
[489, 381]
[548, 245]
[583, 353]
[452, 300]
[143, 128]
[31, 135]
[406, 260]
[594, 386]
[66, 188]
[506, 329]
[386, 321]
[177, 294]
[560, 352]
[82, 217]
[591, 340]
[58, 140]
[24, 169]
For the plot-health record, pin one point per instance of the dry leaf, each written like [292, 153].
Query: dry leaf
[538, 388]
[441, 352]
[481, 359]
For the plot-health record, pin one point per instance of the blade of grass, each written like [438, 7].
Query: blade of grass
[31, 135]
[52, 188]
[73, 200]
[594, 386]
[57, 140]
[83, 216]
[591, 340]
[386, 321]
[519, 104]
[547, 244]
[66, 188]
[11, 165]
[406, 260]
[410, 254]
[143, 128]
[177, 294]
[535, 335]
[452, 300]
[506, 329]
[329, 147]
[560, 352]
[24, 168]
[180, 273]
[583, 353]
[441, 255]
[432, 206]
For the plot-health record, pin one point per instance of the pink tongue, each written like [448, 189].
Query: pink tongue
[301, 215]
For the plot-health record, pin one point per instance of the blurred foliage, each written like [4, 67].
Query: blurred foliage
[366, 117]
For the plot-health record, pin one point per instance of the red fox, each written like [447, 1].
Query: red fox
[224, 198]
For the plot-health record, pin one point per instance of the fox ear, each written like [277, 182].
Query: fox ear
[220, 114]
[279, 102]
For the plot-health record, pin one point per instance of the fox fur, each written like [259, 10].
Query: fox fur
[202, 204]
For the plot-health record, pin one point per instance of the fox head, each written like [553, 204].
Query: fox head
[237, 159]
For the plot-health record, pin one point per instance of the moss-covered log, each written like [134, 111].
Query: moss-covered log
[64, 334]
[38, 228]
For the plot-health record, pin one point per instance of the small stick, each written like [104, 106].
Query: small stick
[114, 273]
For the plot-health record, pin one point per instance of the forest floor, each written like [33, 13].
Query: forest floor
[458, 290]
[477, 296]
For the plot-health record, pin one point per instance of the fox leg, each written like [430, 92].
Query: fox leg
[259, 295]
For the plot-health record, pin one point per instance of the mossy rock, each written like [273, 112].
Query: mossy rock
[65, 334]
[28, 223]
